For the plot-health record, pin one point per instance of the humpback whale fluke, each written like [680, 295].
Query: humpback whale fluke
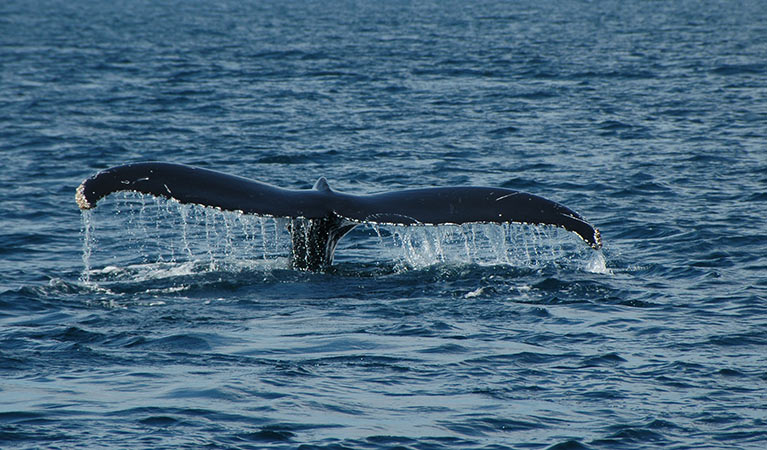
[320, 216]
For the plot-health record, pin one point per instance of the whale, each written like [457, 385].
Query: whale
[319, 217]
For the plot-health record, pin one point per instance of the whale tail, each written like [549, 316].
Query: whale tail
[320, 216]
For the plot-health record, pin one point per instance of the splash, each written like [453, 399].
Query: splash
[597, 264]
[516, 245]
[137, 230]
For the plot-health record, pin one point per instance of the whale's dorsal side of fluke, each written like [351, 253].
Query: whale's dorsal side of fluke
[320, 216]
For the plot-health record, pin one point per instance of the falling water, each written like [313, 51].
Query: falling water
[487, 244]
[88, 244]
[134, 229]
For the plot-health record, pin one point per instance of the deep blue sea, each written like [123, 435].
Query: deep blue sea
[145, 324]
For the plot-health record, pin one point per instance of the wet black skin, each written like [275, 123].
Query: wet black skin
[321, 216]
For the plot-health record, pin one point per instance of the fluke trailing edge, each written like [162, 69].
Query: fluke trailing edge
[321, 216]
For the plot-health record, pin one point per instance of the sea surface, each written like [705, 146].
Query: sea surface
[145, 324]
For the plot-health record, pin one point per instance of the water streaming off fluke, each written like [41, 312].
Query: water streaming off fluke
[134, 229]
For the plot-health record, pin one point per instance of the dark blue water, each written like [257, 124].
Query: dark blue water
[149, 325]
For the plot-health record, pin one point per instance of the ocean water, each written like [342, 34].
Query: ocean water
[147, 324]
